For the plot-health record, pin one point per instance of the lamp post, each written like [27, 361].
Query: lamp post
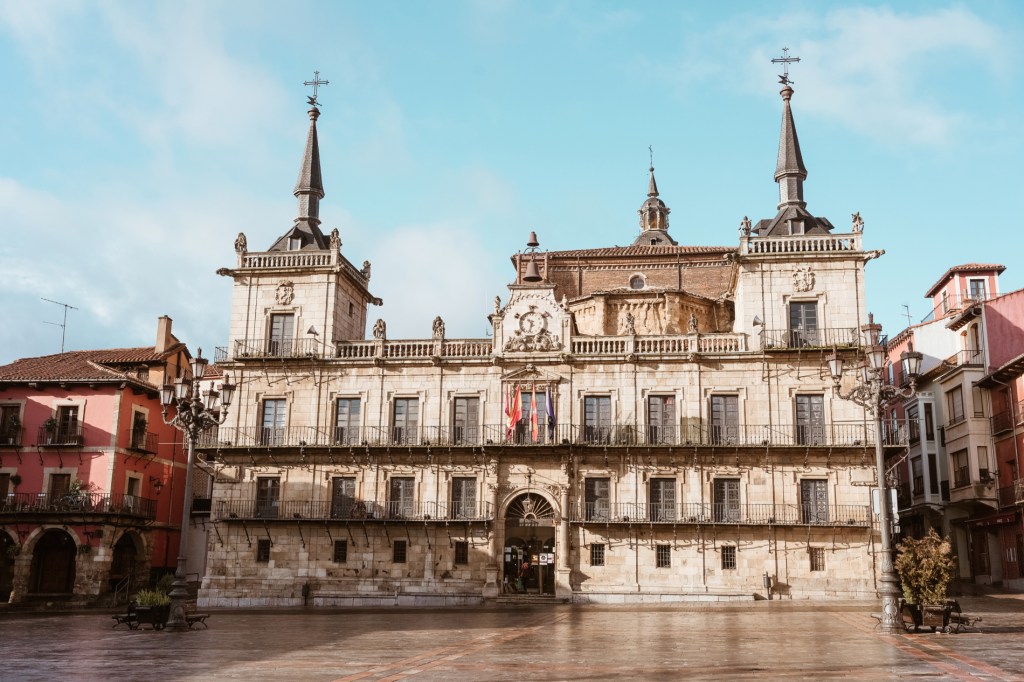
[195, 412]
[872, 393]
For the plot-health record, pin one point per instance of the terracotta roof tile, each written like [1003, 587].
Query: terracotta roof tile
[966, 267]
[82, 365]
[642, 250]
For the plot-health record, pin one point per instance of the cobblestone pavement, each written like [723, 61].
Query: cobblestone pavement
[753, 640]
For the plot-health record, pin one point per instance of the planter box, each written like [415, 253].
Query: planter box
[155, 616]
[935, 616]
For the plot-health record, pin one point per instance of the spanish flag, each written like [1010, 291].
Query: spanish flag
[515, 413]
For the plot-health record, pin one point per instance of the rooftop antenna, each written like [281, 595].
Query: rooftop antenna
[316, 82]
[785, 60]
[63, 325]
[906, 314]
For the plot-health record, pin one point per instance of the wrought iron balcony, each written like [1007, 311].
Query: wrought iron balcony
[142, 441]
[964, 358]
[811, 338]
[348, 509]
[836, 434]
[61, 435]
[78, 503]
[721, 513]
[278, 348]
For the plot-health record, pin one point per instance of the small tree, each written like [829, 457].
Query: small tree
[925, 568]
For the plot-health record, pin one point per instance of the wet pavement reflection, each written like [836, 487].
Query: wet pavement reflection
[753, 640]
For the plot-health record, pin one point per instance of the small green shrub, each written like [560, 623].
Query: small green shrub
[152, 598]
[925, 568]
[165, 583]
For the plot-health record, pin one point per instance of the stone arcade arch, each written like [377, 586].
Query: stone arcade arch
[530, 525]
[125, 562]
[53, 563]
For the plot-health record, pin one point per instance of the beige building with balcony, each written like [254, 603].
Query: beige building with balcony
[650, 423]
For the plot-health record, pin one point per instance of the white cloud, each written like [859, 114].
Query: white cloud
[886, 74]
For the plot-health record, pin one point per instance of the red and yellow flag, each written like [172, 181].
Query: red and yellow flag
[515, 413]
[533, 414]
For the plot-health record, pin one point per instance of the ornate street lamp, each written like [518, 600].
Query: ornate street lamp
[195, 412]
[872, 393]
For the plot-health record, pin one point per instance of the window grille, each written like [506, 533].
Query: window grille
[398, 552]
[462, 552]
[664, 556]
[817, 558]
[263, 551]
[340, 551]
[597, 555]
[728, 557]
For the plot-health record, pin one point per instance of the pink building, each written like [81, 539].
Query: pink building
[90, 477]
[961, 471]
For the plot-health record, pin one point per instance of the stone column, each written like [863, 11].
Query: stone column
[563, 588]
[491, 587]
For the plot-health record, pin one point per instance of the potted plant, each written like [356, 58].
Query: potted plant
[153, 607]
[11, 428]
[50, 427]
[925, 567]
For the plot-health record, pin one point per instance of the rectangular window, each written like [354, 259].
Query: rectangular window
[976, 288]
[810, 420]
[663, 499]
[597, 418]
[978, 400]
[727, 499]
[664, 556]
[340, 551]
[803, 324]
[525, 431]
[405, 421]
[138, 435]
[461, 553]
[282, 331]
[263, 551]
[661, 419]
[597, 499]
[60, 484]
[983, 469]
[274, 413]
[917, 469]
[913, 424]
[268, 497]
[817, 555]
[596, 554]
[933, 474]
[343, 499]
[400, 498]
[5, 486]
[814, 500]
[466, 421]
[464, 497]
[10, 425]
[945, 302]
[725, 419]
[929, 422]
[955, 400]
[346, 421]
[398, 551]
[728, 557]
[961, 469]
[68, 428]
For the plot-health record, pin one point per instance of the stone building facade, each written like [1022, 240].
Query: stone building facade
[653, 422]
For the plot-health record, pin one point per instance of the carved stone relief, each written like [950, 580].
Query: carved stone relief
[285, 293]
[803, 278]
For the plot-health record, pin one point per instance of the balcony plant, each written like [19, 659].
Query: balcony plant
[10, 428]
[925, 567]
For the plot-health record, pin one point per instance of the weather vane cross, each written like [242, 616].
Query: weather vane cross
[785, 60]
[650, 150]
[316, 82]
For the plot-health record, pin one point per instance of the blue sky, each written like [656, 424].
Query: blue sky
[138, 138]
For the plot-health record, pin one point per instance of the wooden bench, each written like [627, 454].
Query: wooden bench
[129, 618]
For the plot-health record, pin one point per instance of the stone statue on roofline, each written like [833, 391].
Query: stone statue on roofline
[438, 327]
[380, 330]
[335, 240]
[240, 243]
[858, 223]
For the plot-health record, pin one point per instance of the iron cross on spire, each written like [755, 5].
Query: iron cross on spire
[785, 60]
[315, 83]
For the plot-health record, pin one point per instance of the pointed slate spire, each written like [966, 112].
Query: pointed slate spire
[309, 188]
[652, 186]
[790, 172]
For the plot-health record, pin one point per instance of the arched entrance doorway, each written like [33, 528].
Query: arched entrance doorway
[530, 545]
[53, 564]
[7, 556]
[122, 565]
